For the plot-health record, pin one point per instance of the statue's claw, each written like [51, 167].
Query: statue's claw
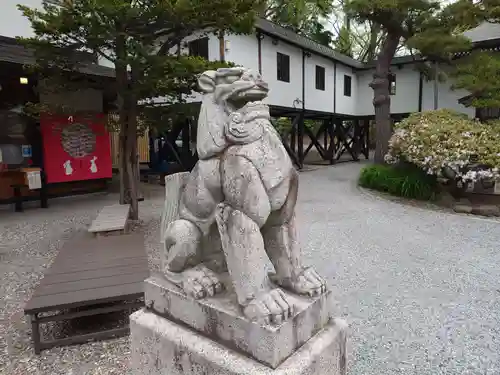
[200, 282]
[272, 307]
[308, 282]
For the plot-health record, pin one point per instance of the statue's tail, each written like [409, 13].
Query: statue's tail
[174, 185]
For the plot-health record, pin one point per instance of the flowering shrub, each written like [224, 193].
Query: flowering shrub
[447, 144]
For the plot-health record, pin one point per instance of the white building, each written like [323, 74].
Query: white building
[307, 79]
[302, 73]
[307, 75]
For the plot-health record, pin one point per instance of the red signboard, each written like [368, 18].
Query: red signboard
[75, 148]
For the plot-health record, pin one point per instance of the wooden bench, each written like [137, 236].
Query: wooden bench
[86, 274]
[19, 199]
[112, 218]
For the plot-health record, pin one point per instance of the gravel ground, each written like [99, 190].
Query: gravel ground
[419, 288]
[29, 242]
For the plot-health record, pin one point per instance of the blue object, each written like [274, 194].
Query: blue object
[26, 151]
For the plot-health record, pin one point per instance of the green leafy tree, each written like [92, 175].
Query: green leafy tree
[362, 39]
[343, 42]
[305, 17]
[479, 72]
[140, 38]
[320, 34]
[420, 25]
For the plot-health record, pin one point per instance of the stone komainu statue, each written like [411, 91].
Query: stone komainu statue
[238, 202]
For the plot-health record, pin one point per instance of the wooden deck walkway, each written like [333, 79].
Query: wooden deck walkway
[111, 219]
[89, 272]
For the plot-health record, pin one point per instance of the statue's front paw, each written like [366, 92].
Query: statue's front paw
[308, 282]
[200, 282]
[271, 307]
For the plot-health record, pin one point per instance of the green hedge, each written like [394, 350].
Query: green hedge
[402, 180]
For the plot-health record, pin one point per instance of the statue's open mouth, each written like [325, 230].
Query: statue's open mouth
[257, 93]
[254, 94]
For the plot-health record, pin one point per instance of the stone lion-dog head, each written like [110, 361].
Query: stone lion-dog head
[231, 104]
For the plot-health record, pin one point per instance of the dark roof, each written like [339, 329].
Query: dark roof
[484, 32]
[398, 60]
[466, 100]
[12, 52]
[304, 42]
[292, 37]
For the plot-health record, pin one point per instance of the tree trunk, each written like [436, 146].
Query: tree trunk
[381, 97]
[122, 140]
[222, 46]
[131, 154]
[127, 150]
[372, 45]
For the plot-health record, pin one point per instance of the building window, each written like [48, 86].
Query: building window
[320, 78]
[347, 85]
[199, 47]
[283, 65]
[392, 84]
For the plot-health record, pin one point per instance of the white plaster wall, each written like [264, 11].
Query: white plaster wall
[447, 98]
[315, 99]
[213, 54]
[406, 98]
[243, 51]
[105, 62]
[364, 102]
[407, 87]
[346, 105]
[282, 93]
[213, 45]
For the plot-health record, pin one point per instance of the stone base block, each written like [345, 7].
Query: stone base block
[220, 319]
[161, 347]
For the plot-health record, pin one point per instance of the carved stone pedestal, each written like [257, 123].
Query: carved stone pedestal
[177, 335]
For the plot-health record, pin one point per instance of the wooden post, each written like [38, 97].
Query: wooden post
[325, 134]
[300, 140]
[140, 195]
[332, 147]
[35, 333]
[367, 139]
[292, 135]
[222, 47]
[357, 142]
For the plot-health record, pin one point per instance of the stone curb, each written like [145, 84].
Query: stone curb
[477, 209]
[483, 210]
